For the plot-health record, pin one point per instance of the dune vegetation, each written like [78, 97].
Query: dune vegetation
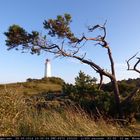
[19, 116]
[34, 86]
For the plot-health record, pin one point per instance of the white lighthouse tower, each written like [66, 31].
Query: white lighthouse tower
[47, 68]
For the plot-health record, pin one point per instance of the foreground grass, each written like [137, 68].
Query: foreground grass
[18, 119]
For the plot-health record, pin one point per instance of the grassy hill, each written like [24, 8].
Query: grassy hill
[37, 108]
[34, 86]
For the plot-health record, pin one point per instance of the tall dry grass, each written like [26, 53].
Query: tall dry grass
[19, 119]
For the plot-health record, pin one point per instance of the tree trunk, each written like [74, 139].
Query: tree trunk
[115, 85]
[117, 98]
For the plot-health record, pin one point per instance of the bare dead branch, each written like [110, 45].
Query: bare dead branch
[62, 52]
[138, 61]
[100, 39]
[134, 68]
[91, 29]
[111, 61]
[101, 81]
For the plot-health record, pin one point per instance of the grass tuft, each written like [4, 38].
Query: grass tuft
[17, 118]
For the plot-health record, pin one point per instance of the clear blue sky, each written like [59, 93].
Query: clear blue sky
[123, 35]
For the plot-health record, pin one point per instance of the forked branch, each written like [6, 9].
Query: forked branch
[135, 67]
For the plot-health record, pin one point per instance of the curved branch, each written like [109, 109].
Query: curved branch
[91, 29]
[94, 66]
[136, 64]
[101, 81]
[97, 68]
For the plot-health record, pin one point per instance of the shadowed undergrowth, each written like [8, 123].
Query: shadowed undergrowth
[18, 119]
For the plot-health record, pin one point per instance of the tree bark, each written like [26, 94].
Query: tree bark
[115, 85]
[117, 98]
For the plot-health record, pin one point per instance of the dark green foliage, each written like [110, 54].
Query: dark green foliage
[107, 87]
[126, 89]
[16, 36]
[125, 86]
[132, 110]
[135, 82]
[103, 103]
[60, 27]
[68, 89]
[86, 94]
[85, 84]
[19, 37]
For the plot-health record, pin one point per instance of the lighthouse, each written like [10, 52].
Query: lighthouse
[47, 68]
